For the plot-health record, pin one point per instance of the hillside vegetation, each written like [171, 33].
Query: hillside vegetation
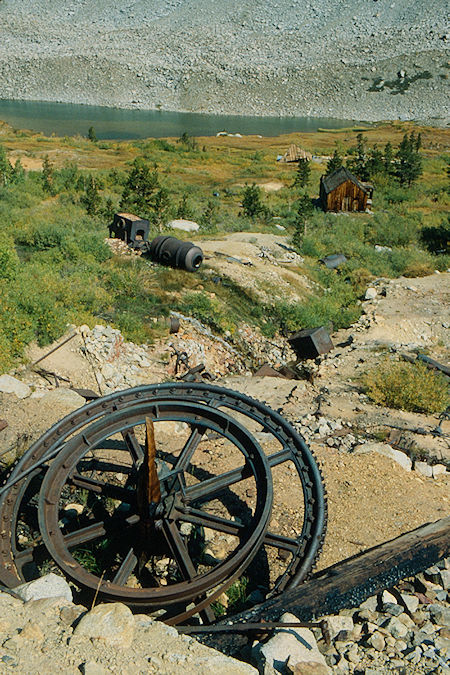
[57, 197]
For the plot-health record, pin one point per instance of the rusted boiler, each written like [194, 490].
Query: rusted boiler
[342, 191]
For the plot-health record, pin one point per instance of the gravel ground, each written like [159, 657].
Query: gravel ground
[355, 59]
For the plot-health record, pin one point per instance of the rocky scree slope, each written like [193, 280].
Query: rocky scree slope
[350, 59]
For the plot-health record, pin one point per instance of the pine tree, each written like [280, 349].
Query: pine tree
[409, 161]
[208, 218]
[375, 162]
[184, 210]
[48, 176]
[92, 135]
[334, 163]
[91, 198]
[18, 173]
[251, 201]
[108, 210]
[388, 156]
[358, 164]
[304, 209]
[140, 189]
[5, 167]
[303, 173]
[162, 207]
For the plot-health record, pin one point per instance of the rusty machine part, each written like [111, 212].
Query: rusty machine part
[176, 253]
[124, 495]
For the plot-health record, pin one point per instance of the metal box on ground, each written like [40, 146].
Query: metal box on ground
[310, 343]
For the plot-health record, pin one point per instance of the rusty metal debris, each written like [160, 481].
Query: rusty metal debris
[144, 506]
[430, 363]
[131, 229]
[311, 343]
[176, 253]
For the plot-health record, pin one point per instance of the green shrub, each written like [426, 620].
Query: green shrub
[9, 261]
[406, 386]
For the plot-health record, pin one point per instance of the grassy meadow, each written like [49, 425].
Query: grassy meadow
[56, 203]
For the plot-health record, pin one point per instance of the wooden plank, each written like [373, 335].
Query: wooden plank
[350, 582]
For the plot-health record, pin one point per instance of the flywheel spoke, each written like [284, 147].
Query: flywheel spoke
[100, 488]
[126, 568]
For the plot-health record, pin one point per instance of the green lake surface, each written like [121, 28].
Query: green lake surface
[64, 119]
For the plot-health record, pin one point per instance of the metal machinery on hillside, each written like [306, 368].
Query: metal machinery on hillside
[161, 497]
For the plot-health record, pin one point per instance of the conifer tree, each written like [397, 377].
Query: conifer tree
[91, 198]
[303, 173]
[18, 172]
[5, 167]
[48, 176]
[409, 161]
[388, 156]
[140, 189]
[303, 211]
[334, 163]
[92, 135]
[251, 201]
[184, 210]
[358, 163]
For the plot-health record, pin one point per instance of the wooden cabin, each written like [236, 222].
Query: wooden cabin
[342, 191]
[294, 154]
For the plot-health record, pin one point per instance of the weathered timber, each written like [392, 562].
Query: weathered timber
[350, 582]
[342, 191]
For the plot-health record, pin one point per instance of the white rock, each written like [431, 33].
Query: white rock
[11, 385]
[388, 597]
[48, 586]
[424, 469]
[296, 645]
[411, 602]
[370, 604]
[185, 225]
[439, 470]
[386, 450]
[371, 293]
[65, 397]
[112, 623]
[339, 627]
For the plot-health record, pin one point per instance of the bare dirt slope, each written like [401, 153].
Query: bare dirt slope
[371, 497]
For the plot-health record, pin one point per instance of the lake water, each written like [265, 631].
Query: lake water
[64, 119]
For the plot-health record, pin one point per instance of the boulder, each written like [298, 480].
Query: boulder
[11, 385]
[64, 397]
[185, 225]
[371, 294]
[424, 469]
[386, 450]
[110, 623]
[48, 586]
[294, 646]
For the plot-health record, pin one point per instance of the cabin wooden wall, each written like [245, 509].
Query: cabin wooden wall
[346, 197]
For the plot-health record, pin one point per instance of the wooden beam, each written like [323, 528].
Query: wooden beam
[350, 582]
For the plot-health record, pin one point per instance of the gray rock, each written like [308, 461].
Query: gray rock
[371, 293]
[370, 604]
[337, 628]
[440, 615]
[392, 608]
[48, 586]
[376, 640]
[396, 628]
[293, 645]
[65, 397]
[112, 623]
[11, 385]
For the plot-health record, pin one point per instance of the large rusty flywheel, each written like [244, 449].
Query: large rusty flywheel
[161, 497]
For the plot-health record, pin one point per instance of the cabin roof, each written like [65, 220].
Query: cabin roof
[338, 177]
